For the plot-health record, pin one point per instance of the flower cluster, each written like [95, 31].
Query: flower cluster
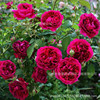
[68, 70]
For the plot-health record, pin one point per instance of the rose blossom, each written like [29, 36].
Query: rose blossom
[82, 50]
[89, 25]
[61, 4]
[39, 75]
[18, 89]
[20, 49]
[48, 57]
[51, 20]
[24, 10]
[9, 5]
[7, 69]
[68, 70]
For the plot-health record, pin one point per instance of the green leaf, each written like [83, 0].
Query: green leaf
[67, 24]
[30, 50]
[19, 72]
[65, 42]
[85, 3]
[74, 1]
[75, 26]
[90, 70]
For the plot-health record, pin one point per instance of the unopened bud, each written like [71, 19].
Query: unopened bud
[36, 46]
[72, 52]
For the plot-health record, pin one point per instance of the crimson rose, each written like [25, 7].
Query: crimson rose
[89, 25]
[82, 50]
[39, 75]
[48, 57]
[24, 10]
[18, 89]
[7, 69]
[51, 20]
[20, 49]
[68, 70]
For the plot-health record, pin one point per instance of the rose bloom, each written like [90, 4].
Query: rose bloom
[51, 20]
[39, 75]
[24, 10]
[48, 57]
[89, 25]
[18, 89]
[9, 5]
[61, 4]
[20, 49]
[68, 70]
[82, 50]
[7, 69]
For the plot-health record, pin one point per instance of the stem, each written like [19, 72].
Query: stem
[54, 4]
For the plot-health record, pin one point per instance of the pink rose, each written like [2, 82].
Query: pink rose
[20, 49]
[68, 70]
[39, 75]
[9, 5]
[24, 10]
[48, 57]
[89, 25]
[51, 20]
[7, 69]
[18, 89]
[82, 50]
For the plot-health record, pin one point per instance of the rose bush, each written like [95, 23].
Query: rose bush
[61, 38]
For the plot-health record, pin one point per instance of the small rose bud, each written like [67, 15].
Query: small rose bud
[61, 4]
[13, 38]
[36, 46]
[42, 1]
[72, 52]
[74, 7]
[59, 45]
[83, 64]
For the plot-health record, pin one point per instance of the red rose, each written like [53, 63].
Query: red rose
[89, 25]
[7, 69]
[51, 20]
[48, 57]
[68, 70]
[9, 5]
[18, 89]
[39, 75]
[20, 49]
[82, 50]
[24, 10]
